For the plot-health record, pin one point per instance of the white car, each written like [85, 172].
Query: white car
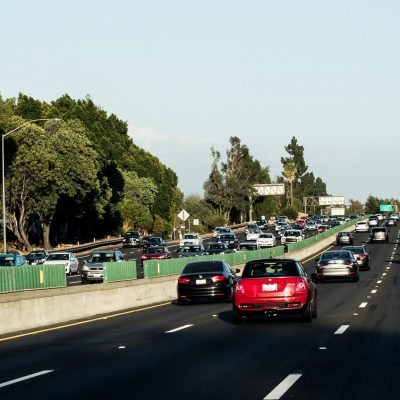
[362, 226]
[191, 239]
[248, 246]
[379, 216]
[253, 234]
[266, 240]
[221, 230]
[394, 215]
[292, 236]
[68, 259]
[373, 221]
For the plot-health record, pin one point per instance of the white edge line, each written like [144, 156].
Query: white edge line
[341, 329]
[283, 387]
[24, 378]
[180, 328]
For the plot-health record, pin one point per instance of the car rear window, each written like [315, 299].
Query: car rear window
[379, 230]
[198, 267]
[356, 250]
[56, 257]
[227, 237]
[336, 255]
[270, 269]
[155, 250]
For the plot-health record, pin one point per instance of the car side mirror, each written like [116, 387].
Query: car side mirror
[237, 270]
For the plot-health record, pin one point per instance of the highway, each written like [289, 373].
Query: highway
[195, 352]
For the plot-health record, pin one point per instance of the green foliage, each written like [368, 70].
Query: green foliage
[290, 212]
[296, 155]
[355, 207]
[212, 221]
[161, 227]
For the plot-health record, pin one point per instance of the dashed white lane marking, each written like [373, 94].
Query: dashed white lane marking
[341, 330]
[368, 297]
[283, 387]
[384, 274]
[180, 328]
[363, 305]
[24, 378]
[373, 291]
[379, 282]
[356, 313]
[122, 347]
[322, 348]
[215, 315]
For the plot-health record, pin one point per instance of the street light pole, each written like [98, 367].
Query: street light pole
[3, 173]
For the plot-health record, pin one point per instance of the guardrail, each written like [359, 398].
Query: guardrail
[154, 268]
[15, 279]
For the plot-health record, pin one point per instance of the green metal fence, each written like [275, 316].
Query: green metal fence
[119, 271]
[153, 268]
[29, 277]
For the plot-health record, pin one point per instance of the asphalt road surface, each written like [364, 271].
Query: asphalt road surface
[195, 352]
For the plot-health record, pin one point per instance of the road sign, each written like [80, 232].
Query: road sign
[196, 221]
[330, 200]
[385, 207]
[270, 189]
[183, 215]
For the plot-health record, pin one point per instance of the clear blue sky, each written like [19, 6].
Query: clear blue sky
[186, 75]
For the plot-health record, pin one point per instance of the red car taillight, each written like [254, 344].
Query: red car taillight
[322, 264]
[301, 287]
[144, 257]
[218, 278]
[183, 280]
[239, 288]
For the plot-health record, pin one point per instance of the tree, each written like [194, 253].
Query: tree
[289, 172]
[296, 155]
[372, 205]
[355, 207]
[50, 163]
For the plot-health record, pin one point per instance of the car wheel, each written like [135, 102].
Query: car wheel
[69, 271]
[306, 315]
[236, 317]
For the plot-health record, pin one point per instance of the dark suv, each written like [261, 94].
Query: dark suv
[132, 239]
[379, 234]
[92, 269]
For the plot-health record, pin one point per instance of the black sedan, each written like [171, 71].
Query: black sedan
[37, 257]
[202, 280]
[152, 241]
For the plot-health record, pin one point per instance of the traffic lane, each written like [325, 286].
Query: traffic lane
[335, 306]
[364, 357]
[130, 330]
[209, 358]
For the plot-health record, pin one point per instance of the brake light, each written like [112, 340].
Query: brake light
[183, 280]
[144, 257]
[239, 288]
[322, 264]
[301, 287]
[218, 278]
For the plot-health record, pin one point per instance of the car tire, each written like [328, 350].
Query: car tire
[237, 318]
[306, 314]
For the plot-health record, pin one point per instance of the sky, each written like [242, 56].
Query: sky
[187, 75]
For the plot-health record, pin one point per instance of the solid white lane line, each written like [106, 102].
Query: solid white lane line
[363, 305]
[283, 387]
[341, 330]
[24, 378]
[180, 328]
[373, 291]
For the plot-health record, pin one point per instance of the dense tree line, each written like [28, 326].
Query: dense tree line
[80, 176]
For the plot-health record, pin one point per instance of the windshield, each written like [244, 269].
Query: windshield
[266, 236]
[190, 249]
[6, 261]
[355, 250]
[247, 247]
[227, 237]
[270, 269]
[58, 257]
[155, 250]
[216, 246]
[102, 257]
[37, 254]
